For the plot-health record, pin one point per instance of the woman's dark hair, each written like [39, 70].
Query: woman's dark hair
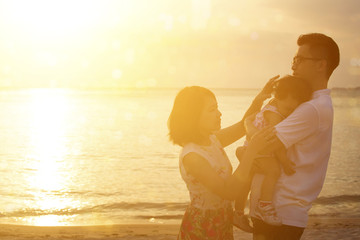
[324, 47]
[294, 86]
[185, 115]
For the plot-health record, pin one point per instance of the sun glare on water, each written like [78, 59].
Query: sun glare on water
[47, 138]
[48, 111]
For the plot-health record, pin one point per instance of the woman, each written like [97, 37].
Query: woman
[194, 124]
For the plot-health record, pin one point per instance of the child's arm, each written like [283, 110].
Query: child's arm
[286, 163]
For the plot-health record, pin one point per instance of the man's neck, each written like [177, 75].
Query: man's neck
[319, 84]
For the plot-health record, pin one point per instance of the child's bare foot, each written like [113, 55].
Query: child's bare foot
[265, 211]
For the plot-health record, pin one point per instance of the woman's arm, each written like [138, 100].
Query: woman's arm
[249, 126]
[200, 168]
[234, 132]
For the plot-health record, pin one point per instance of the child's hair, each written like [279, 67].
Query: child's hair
[294, 86]
[185, 115]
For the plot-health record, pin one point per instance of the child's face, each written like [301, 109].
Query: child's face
[287, 105]
[210, 119]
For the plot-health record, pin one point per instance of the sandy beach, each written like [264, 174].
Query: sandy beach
[319, 228]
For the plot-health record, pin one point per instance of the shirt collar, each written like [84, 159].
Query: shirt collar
[321, 92]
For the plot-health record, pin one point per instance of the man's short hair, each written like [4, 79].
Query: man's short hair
[322, 46]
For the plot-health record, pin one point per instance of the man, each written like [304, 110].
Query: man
[306, 135]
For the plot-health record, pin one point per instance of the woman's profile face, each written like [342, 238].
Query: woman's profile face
[210, 117]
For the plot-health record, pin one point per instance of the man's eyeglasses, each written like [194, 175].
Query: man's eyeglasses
[299, 59]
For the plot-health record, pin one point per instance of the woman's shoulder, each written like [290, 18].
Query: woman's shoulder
[191, 157]
[200, 149]
[190, 148]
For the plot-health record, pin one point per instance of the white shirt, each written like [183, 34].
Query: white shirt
[306, 134]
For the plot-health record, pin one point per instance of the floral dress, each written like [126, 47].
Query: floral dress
[208, 216]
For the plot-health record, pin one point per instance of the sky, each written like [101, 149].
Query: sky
[167, 44]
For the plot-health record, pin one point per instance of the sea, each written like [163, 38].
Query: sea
[99, 157]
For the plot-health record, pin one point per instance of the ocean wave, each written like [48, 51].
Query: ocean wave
[169, 207]
[26, 212]
[30, 194]
[145, 205]
[163, 217]
[337, 199]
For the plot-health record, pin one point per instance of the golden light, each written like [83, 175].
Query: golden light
[65, 43]
[44, 20]
[47, 156]
[48, 220]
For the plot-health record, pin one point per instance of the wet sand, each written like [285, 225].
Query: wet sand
[318, 228]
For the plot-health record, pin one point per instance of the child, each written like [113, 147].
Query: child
[289, 93]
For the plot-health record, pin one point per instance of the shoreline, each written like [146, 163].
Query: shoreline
[318, 228]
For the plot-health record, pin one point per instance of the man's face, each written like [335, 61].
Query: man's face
[304, 64]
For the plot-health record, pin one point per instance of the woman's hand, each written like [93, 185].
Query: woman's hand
[262, 139]
[259, 99]
[265, 93]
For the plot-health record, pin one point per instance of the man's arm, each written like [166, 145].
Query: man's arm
[296, 127]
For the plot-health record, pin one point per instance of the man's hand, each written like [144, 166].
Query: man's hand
[262, 139]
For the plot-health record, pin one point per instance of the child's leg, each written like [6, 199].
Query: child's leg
[272, 174]
[265, 210]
